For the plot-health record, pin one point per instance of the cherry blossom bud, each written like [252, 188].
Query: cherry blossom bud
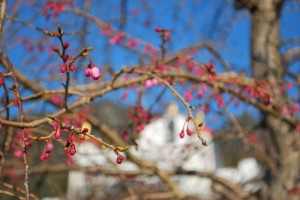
[63, 69]
[55, 49]
[148, 83]
[57, 135]
[72, 68]
[49, 146]
[42, 157]
[47, 155]
[188, 132]
[181, 135]
[82, 137]
[66, 45]
[87, 72]
[18, 153]
[72, 151]
[95, 73]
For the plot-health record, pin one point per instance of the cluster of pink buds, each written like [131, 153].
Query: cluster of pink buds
[151, 82]
[92, 71]
[84, 131]
[56, 129]
[120, 159]
[26, 138]
[141, 117]
[187, 130]
[72, 149]
[72, 146]
[27, 141]
[63, 68]
[47, 152]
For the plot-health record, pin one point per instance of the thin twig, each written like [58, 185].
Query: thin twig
[17, 97]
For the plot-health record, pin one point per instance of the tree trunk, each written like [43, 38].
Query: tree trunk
[267, 65]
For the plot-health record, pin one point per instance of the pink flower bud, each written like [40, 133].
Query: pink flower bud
[119, 160]
[55, 127]
[85, 130]
[47, 155]
[154, 82]
[63, 69]
[72, 68]
[181, 135]
[72, 151]
[66, 45]
[70, 139]
[42, 157]
[57, 135]
[188, 95]
[116, 39]
[148, 83]
[82, 137]
[70, 160]
[55, 49]
[189, 132]
[66, 57]
[87, 72]
[49, 146]
[95, 73]
[18, 153]
[121, 157]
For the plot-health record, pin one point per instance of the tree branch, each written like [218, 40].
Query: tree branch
[291, 56]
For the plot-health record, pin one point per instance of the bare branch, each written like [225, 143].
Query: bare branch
[2, 15]
[291, 56]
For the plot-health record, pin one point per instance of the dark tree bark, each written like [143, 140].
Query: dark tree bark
[267, 65]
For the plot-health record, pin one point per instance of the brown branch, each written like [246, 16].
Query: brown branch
[11, 194]
[289, 41]
[149, 171]
[180, 77]
[186, 104]
[291, 56]
[160, 195]
[17, 97]
[17, 190]
[2, 15]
